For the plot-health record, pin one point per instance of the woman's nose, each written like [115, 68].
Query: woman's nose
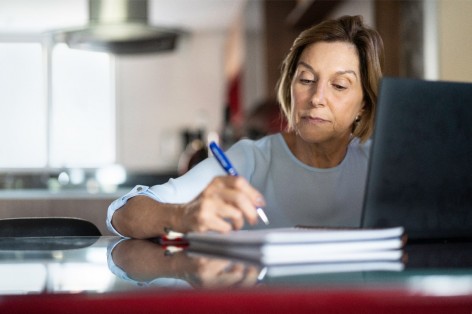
[318, 98]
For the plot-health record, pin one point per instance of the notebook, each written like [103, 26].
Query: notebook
[285, 246]
[420, 171]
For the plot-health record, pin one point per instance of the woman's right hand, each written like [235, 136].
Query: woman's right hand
[224, 205]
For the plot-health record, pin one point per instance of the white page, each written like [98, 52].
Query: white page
[294, 235]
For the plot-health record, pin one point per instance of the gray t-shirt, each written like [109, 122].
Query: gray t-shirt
[296, 194]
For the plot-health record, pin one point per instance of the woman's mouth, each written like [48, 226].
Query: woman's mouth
[314, 120]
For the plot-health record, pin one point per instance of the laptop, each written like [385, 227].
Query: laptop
[420, 171]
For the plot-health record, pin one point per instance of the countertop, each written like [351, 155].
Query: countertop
[61, 194]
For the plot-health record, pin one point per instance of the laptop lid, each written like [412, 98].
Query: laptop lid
[420, 171]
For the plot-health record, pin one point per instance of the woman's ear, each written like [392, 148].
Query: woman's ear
[361, 111]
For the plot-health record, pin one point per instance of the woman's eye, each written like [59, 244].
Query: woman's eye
[339, 87]
[306, 81]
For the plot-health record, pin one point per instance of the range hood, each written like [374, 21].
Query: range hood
[119, 27]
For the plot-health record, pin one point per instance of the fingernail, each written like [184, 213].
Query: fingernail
[260, 201]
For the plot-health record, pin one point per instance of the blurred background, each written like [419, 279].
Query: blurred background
[98, 95]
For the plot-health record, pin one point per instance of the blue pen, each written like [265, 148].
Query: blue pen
[230, 170]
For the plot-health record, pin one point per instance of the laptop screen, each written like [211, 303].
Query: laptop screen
[420, 171]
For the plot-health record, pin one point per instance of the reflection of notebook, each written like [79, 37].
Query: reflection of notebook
[420, 173]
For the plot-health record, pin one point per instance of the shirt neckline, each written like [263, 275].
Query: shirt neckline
[289, 153]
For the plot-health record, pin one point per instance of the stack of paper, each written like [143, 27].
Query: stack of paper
[283, 246]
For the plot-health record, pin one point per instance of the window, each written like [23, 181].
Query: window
[82, 126]
[23, 125]
[76, 127]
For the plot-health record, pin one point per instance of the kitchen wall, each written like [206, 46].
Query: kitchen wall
[158, 96]
[357, 7]
[455, 40]
[447, 45]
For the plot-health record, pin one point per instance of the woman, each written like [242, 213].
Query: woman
[314, 173]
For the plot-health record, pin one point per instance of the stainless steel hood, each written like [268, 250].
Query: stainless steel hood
[119, 27]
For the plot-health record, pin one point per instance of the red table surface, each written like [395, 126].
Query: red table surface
[239, 301]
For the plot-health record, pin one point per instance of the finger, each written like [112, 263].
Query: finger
[237, 206]
[237, 192]
[225, 218]
[205, 214]
[228, 212]
[251, 276]
[231, 275]
[254, 195]
[240, 184]
[213, 267]
[220, 225]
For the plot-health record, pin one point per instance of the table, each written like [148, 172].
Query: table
[112, 275]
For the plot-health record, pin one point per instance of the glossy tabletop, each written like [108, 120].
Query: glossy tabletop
[113, 274]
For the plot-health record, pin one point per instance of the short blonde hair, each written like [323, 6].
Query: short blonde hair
[369, 46]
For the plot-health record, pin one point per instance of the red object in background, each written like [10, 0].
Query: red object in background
[265, 118]
[234, 101]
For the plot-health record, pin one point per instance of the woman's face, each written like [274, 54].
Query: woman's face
[326, 92]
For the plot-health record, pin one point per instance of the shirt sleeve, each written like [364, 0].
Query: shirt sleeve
[186, 187]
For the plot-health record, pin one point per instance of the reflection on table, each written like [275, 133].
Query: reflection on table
[147, 263]
[428, 268]
[52, 265]
[107, 267]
